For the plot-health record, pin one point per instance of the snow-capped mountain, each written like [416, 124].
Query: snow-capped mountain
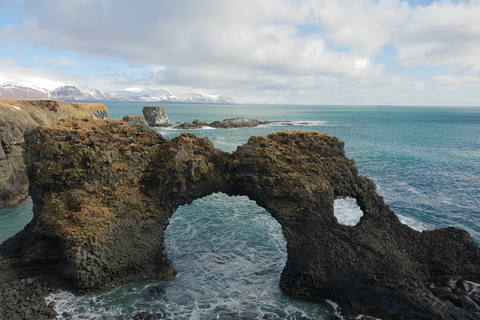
[73, 94]
[22, 91]
[70, 93]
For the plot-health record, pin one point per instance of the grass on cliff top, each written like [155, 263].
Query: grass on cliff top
[32, 113]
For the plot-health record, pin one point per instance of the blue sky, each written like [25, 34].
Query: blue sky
[272, 51]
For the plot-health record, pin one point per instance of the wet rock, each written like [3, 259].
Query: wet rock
[142, 316]
[157, 291]
[443, 294]
[462, 285]
[235, 123]
[448, 282]
[462, 296]
[187, 126]
[156, 117]
[468, 304]
[475, 297]
[50, 313]
[199, 123]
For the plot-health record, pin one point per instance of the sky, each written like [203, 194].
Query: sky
[356, 52]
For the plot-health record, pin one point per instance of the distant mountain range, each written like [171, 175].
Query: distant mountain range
[73, 94]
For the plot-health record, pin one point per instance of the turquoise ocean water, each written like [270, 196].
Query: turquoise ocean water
[229, 252]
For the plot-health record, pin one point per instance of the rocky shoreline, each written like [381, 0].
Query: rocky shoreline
[16, 118]
[25, 300]
[103, 192]
[157, 117]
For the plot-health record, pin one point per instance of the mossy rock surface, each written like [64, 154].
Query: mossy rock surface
[103, 192]
[19, 116]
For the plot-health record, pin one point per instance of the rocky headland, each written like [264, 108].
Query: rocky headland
[103, 192]
[18, 116]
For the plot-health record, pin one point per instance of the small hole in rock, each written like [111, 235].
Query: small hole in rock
[347, 211]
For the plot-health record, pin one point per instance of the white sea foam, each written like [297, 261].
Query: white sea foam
[347, 211]
[308, 123]
[336, 309]
[412, 223]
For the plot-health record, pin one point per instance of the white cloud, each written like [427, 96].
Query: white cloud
[134, 89]
[12, 72]
[257, 47]
[245, 34]
[62, 61]
[360, 24]
[449, 80]
[443, 34]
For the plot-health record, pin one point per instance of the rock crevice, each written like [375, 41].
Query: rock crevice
[103, 193]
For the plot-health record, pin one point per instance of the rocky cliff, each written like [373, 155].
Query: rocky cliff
[103, 193]
[18, 116]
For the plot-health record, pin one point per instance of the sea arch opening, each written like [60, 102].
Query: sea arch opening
[229, 254]
[347, 211]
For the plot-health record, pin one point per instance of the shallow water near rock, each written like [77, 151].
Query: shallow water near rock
[13, 219]
[229, 252]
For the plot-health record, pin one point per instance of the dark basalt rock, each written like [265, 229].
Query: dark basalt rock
[199, 123]
[24, 299]
[196, 124]
[187, 126]
[103, 193]
[139, 123]
[235, 123]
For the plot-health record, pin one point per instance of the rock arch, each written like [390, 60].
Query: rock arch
[103, 193]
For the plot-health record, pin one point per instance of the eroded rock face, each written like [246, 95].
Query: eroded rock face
[17, 116]
[156, 117]
[103, 193]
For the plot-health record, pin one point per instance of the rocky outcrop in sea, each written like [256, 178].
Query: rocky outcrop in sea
[232, 123]
[103, 192]
[18, 116]
[156, 117]
[196, 124]
[235, 123]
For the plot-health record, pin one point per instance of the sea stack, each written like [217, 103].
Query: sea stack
[156, 117]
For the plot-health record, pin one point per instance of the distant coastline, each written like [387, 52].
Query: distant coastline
[92, 95]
